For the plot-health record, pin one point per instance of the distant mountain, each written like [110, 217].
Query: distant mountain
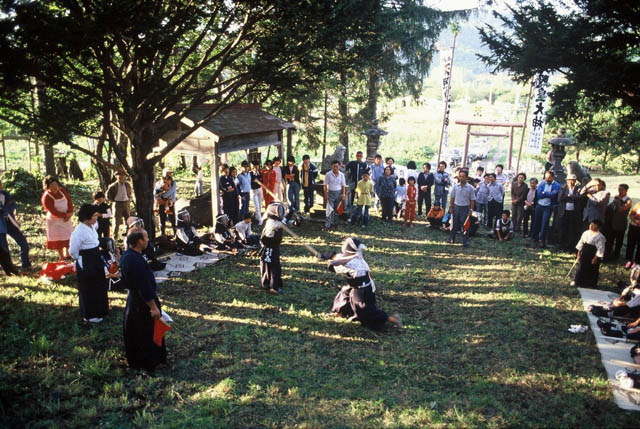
[468, 43]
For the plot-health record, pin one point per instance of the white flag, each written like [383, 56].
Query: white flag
[538, 117]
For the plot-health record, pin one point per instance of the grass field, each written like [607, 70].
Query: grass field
[485, 343]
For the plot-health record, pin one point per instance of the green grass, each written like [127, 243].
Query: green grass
[485, 344]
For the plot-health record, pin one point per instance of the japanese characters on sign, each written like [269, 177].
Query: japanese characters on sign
[538, 114]
[446, 95]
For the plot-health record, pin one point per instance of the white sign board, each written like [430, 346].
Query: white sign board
[539, 113]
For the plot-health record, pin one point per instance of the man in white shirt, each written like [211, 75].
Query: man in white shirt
[119, 193]
[244, 233]
[463, 200]
[335, 188]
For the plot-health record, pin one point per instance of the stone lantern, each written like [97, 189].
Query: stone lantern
[557, 154]
[373, 140]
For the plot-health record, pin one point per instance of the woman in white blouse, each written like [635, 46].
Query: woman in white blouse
[92, 283]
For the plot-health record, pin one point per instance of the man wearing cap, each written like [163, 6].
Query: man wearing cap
[119, 192]
[572, 203]
[354, 170]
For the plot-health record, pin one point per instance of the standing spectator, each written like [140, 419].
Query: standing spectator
[411, 172]
[425, 182]
[480, 174]
[390, 161]
[401, 197]
[386, 192]
[279, 183]
[410, 204]
[569, 196]
[519, 191]
[143, 307]
[364, 190]
[256, 190]
[244, 187]
[501, 179]
[335, 189]
[269, 181]
[633, 237]
[292, 176]
[547, 198]
[7, 211]
[229, 195]
[442, 181]
[530, 207]
[482, 197]
[308, 174]
[165, 192]
[57, 203]
[495, 201]
[104, 215]
[119, 193]
[197, 187]
[597, 201]
[377, 171]
[463, 199]
[92, 283]
[617, 224]
[354, 171]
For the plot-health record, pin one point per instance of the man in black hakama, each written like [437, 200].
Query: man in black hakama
[590, 252]
[143, 307]
[357, 301]
[270, 268]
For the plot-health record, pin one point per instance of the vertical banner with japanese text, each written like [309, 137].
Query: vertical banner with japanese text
[446, 95]
[538, 117]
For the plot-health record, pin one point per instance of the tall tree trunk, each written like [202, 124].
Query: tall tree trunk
[638, 164]
[604, 158]
[104, 172]
[343, 111]
[324, 132]
[143, 179]
[372, 102]
[183, 162]
[49, 155]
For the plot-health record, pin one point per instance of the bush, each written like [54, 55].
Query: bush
[23, 186]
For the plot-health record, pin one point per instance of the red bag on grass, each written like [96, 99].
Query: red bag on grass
[57, 270]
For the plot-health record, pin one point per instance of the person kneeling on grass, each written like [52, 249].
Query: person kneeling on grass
[357, 301]
[435, 216]
[225, 239]
[243, 231]
[590, 252]
[504, 227]
[626, 305]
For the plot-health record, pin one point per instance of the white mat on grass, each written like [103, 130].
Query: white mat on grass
[178, 263]
[614, 354]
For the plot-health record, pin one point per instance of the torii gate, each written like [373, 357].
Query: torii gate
[470, 123]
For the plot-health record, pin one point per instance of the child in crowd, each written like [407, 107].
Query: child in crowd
[104, 219]
[401, 197]
[244, 233]
[364, 192]
[161, 203]
[504, 227]
[435, 216]
[530, 206]
[482, 196]
[474, 224]
[410, 203]
[590, 252]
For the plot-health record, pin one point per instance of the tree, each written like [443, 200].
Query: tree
[594, 44]
[133, 68]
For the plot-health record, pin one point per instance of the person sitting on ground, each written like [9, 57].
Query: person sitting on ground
[357, 301]
[434, 217]
[590, 252]
[401, 197]
[504, 227]
[225, 239]
[474, 224]
[104, 214]
[243, 232]
[187, 239]
[627, 305]
[364, 191]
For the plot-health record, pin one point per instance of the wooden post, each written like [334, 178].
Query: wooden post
[510, 148]
[524, 125]
[4, 156]
[466, 147]
[215, 180]
[289, 143]
[279, 147]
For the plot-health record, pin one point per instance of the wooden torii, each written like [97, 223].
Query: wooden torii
[471, 123]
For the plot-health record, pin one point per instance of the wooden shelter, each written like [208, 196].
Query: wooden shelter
[237, 127]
